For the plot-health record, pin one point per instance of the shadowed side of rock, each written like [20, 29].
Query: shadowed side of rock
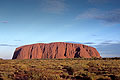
[55, 50]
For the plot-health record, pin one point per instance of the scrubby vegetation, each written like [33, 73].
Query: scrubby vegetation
[61, 69]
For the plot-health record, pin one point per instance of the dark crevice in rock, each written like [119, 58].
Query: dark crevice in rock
[83, 46]
[16, 54]
[31, 53]
[77, 54]
[44, 49]
[51, 57]
[90, 52]
[65, 51]
[47, 55]
[56, 51]
[72, 45]
[87, 50]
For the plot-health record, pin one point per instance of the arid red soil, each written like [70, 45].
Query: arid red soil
[55, 50]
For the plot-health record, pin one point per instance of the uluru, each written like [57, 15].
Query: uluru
[57, 50]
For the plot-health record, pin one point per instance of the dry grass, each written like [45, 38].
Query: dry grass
[60, 69]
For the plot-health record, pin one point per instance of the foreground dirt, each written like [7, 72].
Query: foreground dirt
[60, 69]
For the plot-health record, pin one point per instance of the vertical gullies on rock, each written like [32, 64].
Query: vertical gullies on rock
[83, 46]
[40, 48]
[86, 48]
[56, 52]
[44, 49]
[72, 45]
[50, 51]
[31, 53]
[77, 54]
[90, 52]
[37, 52]
[47, 53]
[65, 51]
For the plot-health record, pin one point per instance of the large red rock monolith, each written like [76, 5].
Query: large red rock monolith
[55, 50]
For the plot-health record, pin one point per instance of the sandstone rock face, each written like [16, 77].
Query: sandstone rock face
[55, 50]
